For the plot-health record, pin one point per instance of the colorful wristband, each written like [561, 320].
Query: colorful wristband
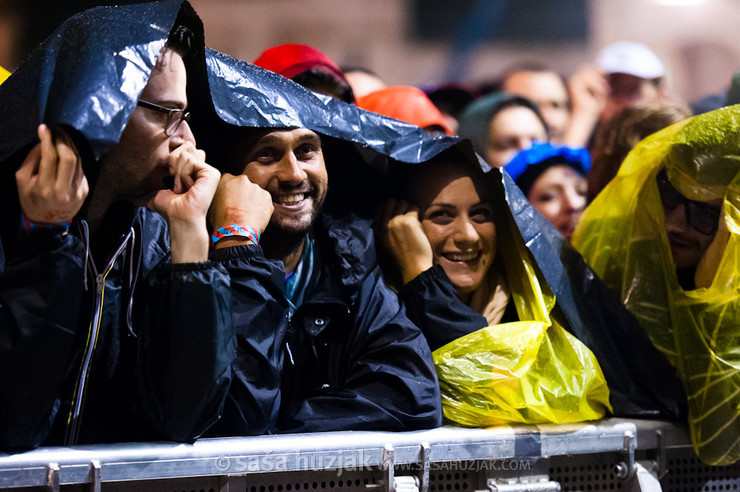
[29, 225]
[235, 230]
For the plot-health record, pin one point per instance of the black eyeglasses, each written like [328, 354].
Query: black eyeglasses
[175, 116]
[701, 216]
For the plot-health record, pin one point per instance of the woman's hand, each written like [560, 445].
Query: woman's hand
[406, 240]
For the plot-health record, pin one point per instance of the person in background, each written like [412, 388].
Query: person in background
[408, 104]
[553, 178]
[450, 99]
[547, 90]
[663, 237]
[622, 133]
[635, 76]
[500, 125]
[362, 80]
[308, 67]
[624, 74]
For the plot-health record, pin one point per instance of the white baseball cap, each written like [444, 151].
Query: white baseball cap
[631, 58]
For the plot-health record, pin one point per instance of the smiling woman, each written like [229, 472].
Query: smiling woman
[482, 304]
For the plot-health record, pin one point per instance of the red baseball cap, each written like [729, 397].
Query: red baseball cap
[289, 60]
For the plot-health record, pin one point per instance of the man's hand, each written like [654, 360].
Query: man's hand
[589, 90]
[51, 184]
[186, 205]
[406, 239]
[241, 202]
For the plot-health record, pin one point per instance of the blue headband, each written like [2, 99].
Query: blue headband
[576, 157]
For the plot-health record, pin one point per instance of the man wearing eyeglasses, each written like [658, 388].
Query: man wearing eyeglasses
[97, 292]
[691, 227]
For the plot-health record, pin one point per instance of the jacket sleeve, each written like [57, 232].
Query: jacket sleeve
[41, 290]
[260, 321]
[433, 305]
[186, 348]
[385, 380]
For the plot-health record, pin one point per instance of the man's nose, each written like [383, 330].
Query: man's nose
[183, 134]
[290, 170]
[676, 220]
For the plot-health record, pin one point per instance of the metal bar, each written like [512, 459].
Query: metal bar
[424, 457]
[52, 477]
[304, 452]
[96, 476]
[388, 468]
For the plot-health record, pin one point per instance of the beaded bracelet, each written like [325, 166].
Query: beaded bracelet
[29, 225]
[235, 230]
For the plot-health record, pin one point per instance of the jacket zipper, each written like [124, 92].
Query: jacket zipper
[75, 413]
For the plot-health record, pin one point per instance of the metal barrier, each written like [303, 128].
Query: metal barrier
[614, 454]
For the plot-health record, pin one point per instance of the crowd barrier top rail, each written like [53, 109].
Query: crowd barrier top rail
[322, 451]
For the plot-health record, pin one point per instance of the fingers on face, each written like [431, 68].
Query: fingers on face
[187, 163]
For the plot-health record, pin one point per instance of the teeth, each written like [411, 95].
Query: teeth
[461, 256]
[291, 199]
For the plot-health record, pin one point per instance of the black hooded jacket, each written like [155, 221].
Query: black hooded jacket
[101, 338]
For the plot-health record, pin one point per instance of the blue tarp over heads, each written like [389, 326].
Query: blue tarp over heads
[641, 381]
[89, 73]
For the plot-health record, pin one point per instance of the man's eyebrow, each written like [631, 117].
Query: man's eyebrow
[276, 136]
[173, 103]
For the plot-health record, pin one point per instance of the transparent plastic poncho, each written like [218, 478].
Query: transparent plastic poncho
[623, 237]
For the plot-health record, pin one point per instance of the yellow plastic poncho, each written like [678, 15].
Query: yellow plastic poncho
[529, 372]
[622, 236]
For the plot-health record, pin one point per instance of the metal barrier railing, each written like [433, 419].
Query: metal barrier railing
[542, 458]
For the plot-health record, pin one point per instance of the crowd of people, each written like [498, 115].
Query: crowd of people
[194, 245]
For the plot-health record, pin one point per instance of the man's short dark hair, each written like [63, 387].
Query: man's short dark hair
[325, 83]
[182, 41]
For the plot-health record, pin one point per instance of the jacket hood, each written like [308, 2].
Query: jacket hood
[475, 119]
[89, 73]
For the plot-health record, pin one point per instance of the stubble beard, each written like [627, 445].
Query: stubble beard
[280, 239]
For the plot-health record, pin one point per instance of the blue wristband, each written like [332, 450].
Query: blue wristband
[235, 230]
[29, 225]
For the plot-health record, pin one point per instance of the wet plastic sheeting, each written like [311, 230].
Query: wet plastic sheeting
[88, 75]
[245, 95]
[623, 236]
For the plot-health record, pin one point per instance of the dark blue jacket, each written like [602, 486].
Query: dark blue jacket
[348, 358]
[112, 339]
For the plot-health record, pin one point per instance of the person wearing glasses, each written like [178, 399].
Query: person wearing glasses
[97, 291]
[664, 235]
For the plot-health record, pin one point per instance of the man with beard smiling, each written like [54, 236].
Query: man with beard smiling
[338, 351]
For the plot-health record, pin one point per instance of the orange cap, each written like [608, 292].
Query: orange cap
[404, 103]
